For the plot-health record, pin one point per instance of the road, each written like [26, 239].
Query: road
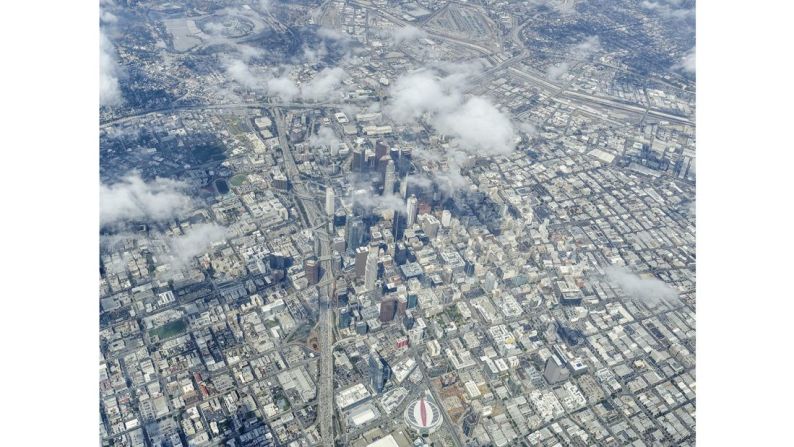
[315, 217]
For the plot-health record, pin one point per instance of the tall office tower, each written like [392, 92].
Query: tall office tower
[355, 233]
[402, 305]
[340, 218]
[430, 226]
[371, 269]
[338, 244]
[337, 261]
[378, 371]
[555, 371]
[345, 317]
[404, 187]
[394, 153]
[370, 160]
[360, 198]
[359, 160]
[388, 308]
[446, 218]
[330, 204]
[412, 300]
[312, 268]
[405, 161]
[409, 320]
[490, 282]
[389, 178]
[399, 222]
[411, 209]
[470, 420]
[381, 149]
[361, 261]
[400, 253]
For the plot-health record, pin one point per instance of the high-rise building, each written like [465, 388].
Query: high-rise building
[389, 179]
[412, 300]
[446, 218]
[355, 233]
[388, 308]
[409, 320]
[402, 306]
[381, 149]
[430, 226]
[400, 253]
[340, 218]
[330, 204]
[490, 282]
[405, 161]
[312, 268]
[470, 421]
[359, 160]
[411, 209]
[399, 223]
[555, 371]
[371, 269]
[394, 153]
[345, 317]
[361, 261]
[379, 371]
[338, 244]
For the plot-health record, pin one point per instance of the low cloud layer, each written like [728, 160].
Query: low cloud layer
[325, 137]
[476, 125]
[195, 242]
[651, 291]
[479, 126]
[578, 52]
[322, 87]
[365, 198]
[109, 69]
[407, 34]
[687, 63]
[132, 198]
[669, 9]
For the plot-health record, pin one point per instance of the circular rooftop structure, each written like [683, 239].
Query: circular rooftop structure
[423, 416]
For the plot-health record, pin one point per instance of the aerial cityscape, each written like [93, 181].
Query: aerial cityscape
[380, 223]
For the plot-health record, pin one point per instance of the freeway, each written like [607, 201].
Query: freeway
[315, 216]
[222, 106]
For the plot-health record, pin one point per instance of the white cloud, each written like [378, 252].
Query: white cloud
[580, 51]
[479, 126]
[417, 93]
[196, 241]
[407, 34]
[553, 72]
[325, 137]
[528, 128]
[283, 87]
[475, 123]
[366, 199]
[324, 85]
[649, 290]
[109, 71]
[688, 62]
[418, 180]
[669, 9]
[134, 199]
[332, 34]
[586, 47]
[238, 71]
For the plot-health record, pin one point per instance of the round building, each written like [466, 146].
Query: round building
[423, 416]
